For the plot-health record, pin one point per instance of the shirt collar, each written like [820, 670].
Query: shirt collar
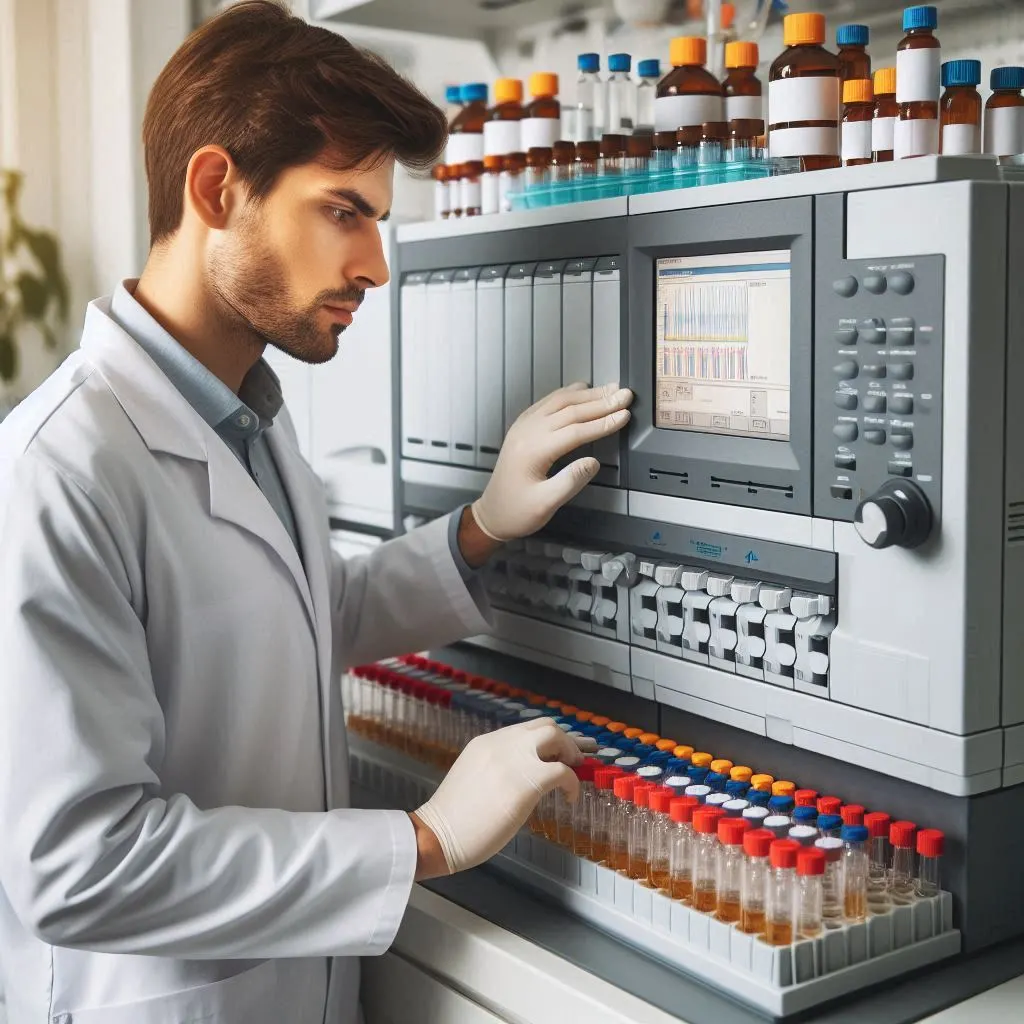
[246, 414]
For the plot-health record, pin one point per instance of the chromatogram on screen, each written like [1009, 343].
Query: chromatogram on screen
[704, 362]
[706, 313]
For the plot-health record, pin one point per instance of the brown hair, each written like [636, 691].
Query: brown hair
[276, 92]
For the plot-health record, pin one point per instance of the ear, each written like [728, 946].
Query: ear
[212, 186]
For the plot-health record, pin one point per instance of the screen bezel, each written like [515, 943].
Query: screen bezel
[757, 472]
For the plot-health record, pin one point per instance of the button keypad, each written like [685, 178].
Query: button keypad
[874, 403]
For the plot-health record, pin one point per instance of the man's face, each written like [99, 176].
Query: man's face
[294, 266]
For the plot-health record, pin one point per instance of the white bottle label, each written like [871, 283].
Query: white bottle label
[501, 137]
[672, 112]
[919, 137]
[803, 99]
[882, 129]
[1004, 131]
[464, 147]
[803, 142]
[442, 199]
[470, 191]
[959, 139]
[539, 131]
[856, 140]
[745, 107]
[917, 75]
[490, 194]
[507, 184]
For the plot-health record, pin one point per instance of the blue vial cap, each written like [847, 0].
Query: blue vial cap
[781, 804]
[854, 834]
[852, 35]
[619, 62]
[589, 62]
[805, 816]
[697, 774]
[660, 757]
[759, 797]
[735, 788]
[829, 822]
[453, 94]
[961, 72]
[473, 92]
[676, 766]
[649, 69]
[643, 750]
[717, 781]
[1007, 78]
[920, 17]
[627, 743]
[606, 739]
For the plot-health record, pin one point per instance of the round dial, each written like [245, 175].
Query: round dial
[898, 514]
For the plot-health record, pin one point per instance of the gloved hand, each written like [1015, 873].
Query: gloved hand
[520, 497]
[493, 787]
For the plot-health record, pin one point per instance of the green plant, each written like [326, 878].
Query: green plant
[33, 288]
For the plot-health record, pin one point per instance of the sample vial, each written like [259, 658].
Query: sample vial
[683, 752]
[930, 847]
[613, 160]
[855, 873]
[701, 760]
[470, 188]
[960, 108]
[510, 181]
[756, 816]
[759, 797]
[757, 844]
[806, 798]
[877, 824]
[762, 782]
[705, 859]
[778, 824]
[918, 59]
[666, 746]
[606, 755]
[742, 87]
[542, 120]
[731, 865]
[741, 773]
[622, 815]
[735, 807]
[780, 893]
[588, 113]
[780, 804]
[805, 816]
[501, 129]
[628, 762]
[832, 890]
[442, 207]
[562, 161]
[784, 788]
[633, 733]
[858, 115]
[717, 781]
[854, 61]
[648, 71]
[901, 879]
[883, 123]
[621, 95]
[721, 766]
[689, 94]
[638, 866]
[581, 819]
[810, 872]
[659, 844]
[603, 814]
[830, 824]
[803, 96]
[638, 162]
[466, 132]
[737, 789]
[699, 793]
[717, 800]
[650, 773]
[1004, 112]
[829, 804]
[678, 784]
[681, 810]
[805, 835]
[852, 814]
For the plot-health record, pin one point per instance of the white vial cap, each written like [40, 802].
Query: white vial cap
[668, 575]
[677, 781]
[627, 762]
[719, 586]
[650, 771]
[757, 814]
[734, 808]
[700, 792]
[694, 579]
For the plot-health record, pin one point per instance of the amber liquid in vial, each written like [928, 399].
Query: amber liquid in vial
[855, 906]
[599, 852]
[729, 909]
[619, 860]
[638, 870]
[661, 879]
[705, 900]
[681, 887]
[581, 845]
[752, 921]
[778, 933]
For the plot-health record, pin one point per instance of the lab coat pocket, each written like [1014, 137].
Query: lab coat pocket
[246, 998]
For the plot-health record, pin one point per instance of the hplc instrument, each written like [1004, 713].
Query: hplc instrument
[807, 547]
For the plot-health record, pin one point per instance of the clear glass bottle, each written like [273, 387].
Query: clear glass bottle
[731, 865]
[829, 804]
[590, 99]
[659, 846]
[542, 119]
[742, 88]
[918, 60]
[878, 824]
[960, 108]
[779, 929]
[858, 113]
[756, 815]
[852, 814]
[855, 873]
[574, 818]
[689, 94]
[778, 824]
[810, 871]
[639, 863]
[830, 824]
[832, 890]
[602, 816]
[611, 168]
[757, 844]
[803, 96]
[1004, 112]
[852, 43]
[648, 71]
[806, 798]
[618, 856]
[705, 859]
[901, 879]
[931, 844]
[681, 810]
[622, 98]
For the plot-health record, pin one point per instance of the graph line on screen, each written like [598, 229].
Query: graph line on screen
[706, 313]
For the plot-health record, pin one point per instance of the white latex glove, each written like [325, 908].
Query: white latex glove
[493, 787]
[520, 497]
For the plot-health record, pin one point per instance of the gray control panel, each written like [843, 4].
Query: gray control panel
[878, 371]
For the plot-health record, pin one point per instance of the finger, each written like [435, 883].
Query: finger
[568, 482]
[554, 745]
[568, 439]
[583, 412]
[554, 775]
[574, 394]
[586, 744]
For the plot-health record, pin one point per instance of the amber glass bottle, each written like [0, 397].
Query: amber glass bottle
[960, 108]
[886, 113]
[858, 111]
[854, 61]
[542, 120]
[803, 96]
[742, 87]
[918, 60]
[501, 130]
[689, 94]
[1004, 112]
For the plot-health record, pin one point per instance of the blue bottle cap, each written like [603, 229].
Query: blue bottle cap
[805, 816]
[589, 62]
[961, 72]
[781, 804]
[854, 834]
[618, 62]
[920, 17]
[717, 781]
[829, 822]
[697, 774]
[627, 743]
[606, 739]
[852, 35]
[660, 758]
[759, 797]
[1007, 78]
[644, 750]
[735, 788]
[473, 92]
[649, 69]
[676, 766]
[453, 94]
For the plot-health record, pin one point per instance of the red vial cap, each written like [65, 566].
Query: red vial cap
[930, 842]
[758, 842]
[445, 698]
[603, 778]
[877, 823]
[584, 772]
[660, 800]
[732, 830]
[784, 853]
[623, 786]
[852, 814]
[681, 809]
[642, 793]
[806, 797]
[705, 821]
[810, 861]
[901, 834]
[829, 804]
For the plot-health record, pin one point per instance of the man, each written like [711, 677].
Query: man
[176, 843]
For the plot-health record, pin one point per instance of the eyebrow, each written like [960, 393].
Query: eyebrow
[360, 202]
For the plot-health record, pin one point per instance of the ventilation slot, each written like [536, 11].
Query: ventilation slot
[682, 479]
[752, 486]
[1015, 522]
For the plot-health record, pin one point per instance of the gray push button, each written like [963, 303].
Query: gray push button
[845, 286]
[845, 431]
[874, 403]
[876, 370]
[846, 336]
[901, 282]
[901, 371]
[875, 283]
[900, 469]
[872, 331]
[874, 436]
[846, 370]
[901, 405]
[846, 400]
[848, 462]
[901, 331]
[902, 439]
[843, 493]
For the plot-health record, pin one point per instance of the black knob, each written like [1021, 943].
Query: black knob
[897, 513]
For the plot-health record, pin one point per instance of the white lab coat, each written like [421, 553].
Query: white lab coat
[173, 769]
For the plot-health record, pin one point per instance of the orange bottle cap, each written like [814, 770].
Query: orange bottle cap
[701, 760]
[742, 55]
[683, 752]
[666, 745]
[439, 172]
[568, 709]
[722, 766]
[584, 716]
[543, 83]
[553, 704]
[783, 788]
[685, 51]
[508, 90]
[762, 781]
[632, 732]
[600, 720]
[741, 773]
[493, 163]
[858, 90]
[616, 726]
[728, 14]
[649, 738]
[885, 82]
[801, 29]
